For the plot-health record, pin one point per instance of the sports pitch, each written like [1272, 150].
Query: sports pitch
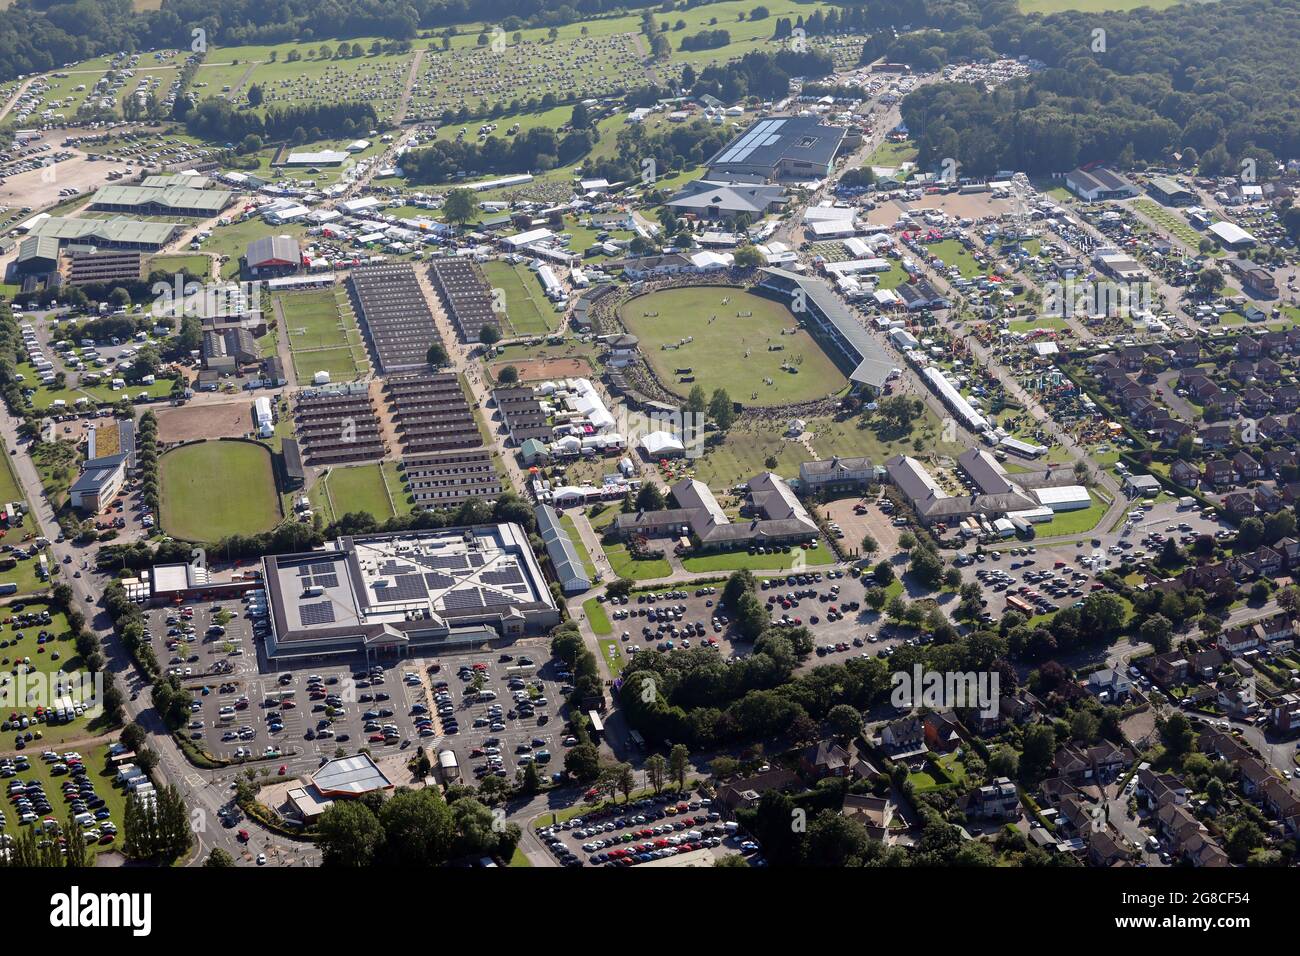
[736, 343]
[214, 489]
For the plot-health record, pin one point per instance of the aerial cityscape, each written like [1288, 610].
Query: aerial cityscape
[692, 434]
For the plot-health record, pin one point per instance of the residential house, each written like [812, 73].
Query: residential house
[824, 759]
[903, 737]
[999, 800]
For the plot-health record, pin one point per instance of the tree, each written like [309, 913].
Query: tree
[1176, 734]
[738, 584]
[531, 782]
[679, 762]
[75, 844]
[508, 375]
[869, 546]
[255, 95]
[650, 498]
[748, 257]
[625, 779]
[418, 829]
[581, 117]
[697, 401]
[583, 763]
[219, 858]
[844, 721]
[489, 335]
[437, 355]
[751, 617]
[458, 208]
[656, 768]
[349, 835]
[1158, 631]
[1039, 750]
[721, 410]
[884, 574]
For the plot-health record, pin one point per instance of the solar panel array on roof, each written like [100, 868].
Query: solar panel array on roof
[761, 135]
[462, 600]
[403, 587]
[509, 575]
[319, 613]
[325, 580]
[395, 315]
[435, 579]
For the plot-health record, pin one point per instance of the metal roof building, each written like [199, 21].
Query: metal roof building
[350, 777]
[786, 147]
[278, 251]
[1232, 236]
[116, 233]
[835, 326]
[388, 594]
[161, 201]
[569, 570]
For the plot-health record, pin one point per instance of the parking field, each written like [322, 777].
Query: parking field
[646, 830]
[822, 600]
[1064, 573]
[871, 520]
[479, 691]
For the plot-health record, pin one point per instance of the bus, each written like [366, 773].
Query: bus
[1019, 604]
[597, 726]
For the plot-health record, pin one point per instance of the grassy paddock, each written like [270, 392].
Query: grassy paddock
[729, 350]
[192, 507]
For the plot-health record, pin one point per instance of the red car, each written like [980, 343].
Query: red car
[376, 738]
[283, 770]
[243, 836]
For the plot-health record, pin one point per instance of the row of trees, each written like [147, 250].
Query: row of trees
[539, 148]
[216, 119]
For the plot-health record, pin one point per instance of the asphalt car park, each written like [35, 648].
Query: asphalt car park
[828, 601]
[506, 706]
[1050, 577]
[641, 831]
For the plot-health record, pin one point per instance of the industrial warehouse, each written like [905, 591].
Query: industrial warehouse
[391, 594]
[162, 201]
[783, 148]
[116, 233]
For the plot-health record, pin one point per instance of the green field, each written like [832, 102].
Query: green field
[953, 253]
[526, 306]
[625, 566]
[571, 529]
[1073, 522]
[354, 488]
[214, 489]
[597, 616]
[323, 335]
[96, 763]
[727, 350]
[195, 264]
[738, 560]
